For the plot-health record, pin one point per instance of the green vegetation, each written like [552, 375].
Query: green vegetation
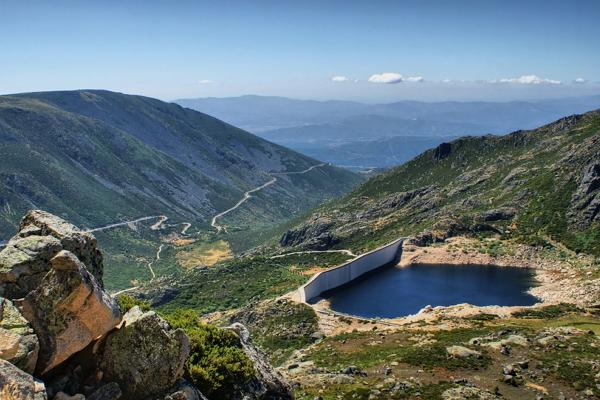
[237, 282]
[217, 365]
[372, 350]
[279, 327]
[548, 312]
[127, 302]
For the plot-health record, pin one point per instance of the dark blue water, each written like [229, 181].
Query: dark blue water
[394, 292]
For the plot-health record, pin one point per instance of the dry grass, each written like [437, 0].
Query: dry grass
[206, 254]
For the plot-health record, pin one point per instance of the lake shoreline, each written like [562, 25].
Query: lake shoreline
[560, 280]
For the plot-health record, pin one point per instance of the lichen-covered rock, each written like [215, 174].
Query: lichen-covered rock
[144, 356]
[16, 384]
[80, 243]
[469, 392]
[18, 343]
[267, 382]
[68, 311]
[462, 352]
[24, 262]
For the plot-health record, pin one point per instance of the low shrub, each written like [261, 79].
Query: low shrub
[217, 365]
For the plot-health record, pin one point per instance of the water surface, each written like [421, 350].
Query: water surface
[394, 292]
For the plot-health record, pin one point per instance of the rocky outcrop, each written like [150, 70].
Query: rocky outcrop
[71, 238]
[25, 260]
[18, 343]
[313, 235]
[585, 202]
[500, 214]
[267, 383]
[442, 151]
[58, 323]
[145, 356]
[16, 384]
[68, 310]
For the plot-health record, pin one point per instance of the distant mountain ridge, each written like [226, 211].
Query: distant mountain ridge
[319, 128]
[96, 156]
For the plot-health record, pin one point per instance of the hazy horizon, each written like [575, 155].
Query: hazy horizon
[376, 51]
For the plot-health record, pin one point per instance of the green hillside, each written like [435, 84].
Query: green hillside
[538, 187]
[96, 157]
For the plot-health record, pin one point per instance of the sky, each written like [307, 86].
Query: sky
[372, 51]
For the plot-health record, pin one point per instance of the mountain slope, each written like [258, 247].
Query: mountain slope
[97, 157]
[539, 187]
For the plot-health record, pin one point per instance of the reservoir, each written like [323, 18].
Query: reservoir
[394, 292]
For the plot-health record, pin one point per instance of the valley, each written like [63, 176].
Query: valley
[299, 200]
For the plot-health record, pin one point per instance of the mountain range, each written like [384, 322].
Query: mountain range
[319, 128]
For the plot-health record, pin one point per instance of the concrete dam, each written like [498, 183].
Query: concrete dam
[347, 272]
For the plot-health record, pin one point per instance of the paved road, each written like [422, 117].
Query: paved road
[161, 219]
[123, 223]
[186, 226]
[247, 195]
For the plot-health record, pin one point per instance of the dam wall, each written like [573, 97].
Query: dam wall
[347, 272]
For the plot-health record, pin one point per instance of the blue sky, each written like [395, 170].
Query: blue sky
[430, 50]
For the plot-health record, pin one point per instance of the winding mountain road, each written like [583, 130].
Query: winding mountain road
[117, 224]
[247, 194]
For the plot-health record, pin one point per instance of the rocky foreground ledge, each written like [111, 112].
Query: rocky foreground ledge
[63, 337]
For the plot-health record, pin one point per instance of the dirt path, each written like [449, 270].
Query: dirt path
[248, 194]
[343, 251]
[156, 259]
[158, 251]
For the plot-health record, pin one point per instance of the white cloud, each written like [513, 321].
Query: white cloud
[580, 81]
[205, 81]
[393, 77]
[527, 80]
[339, 78]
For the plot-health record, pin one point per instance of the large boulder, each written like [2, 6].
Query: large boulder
[80, 243]
[16, 384]
[18, 343]
[144, 356]
[68, 310]
[267, 382]
[25, 260]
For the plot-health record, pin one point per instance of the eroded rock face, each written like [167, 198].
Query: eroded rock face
[315, 235]
[585, 203]
[16, 384]
[267, 383]
[144, 356]
[18, 343]
[68, 310]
